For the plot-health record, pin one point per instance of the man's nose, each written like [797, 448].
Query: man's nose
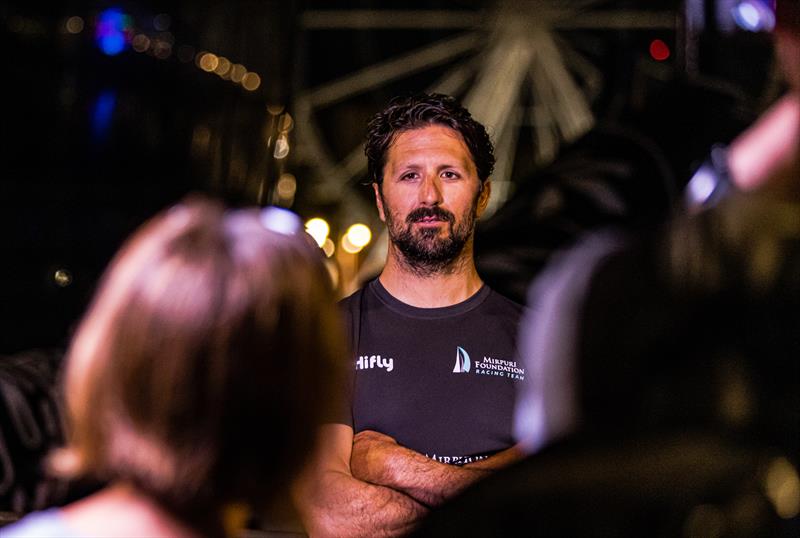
[431, 190]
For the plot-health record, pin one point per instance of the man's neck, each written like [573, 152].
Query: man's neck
[444, 288]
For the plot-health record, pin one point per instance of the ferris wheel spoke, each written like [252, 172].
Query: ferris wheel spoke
[455, 79]
[371, 19]
[379, 74]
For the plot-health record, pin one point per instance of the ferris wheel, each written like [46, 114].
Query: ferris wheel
[511, 63]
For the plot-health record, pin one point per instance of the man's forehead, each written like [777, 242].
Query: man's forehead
[437, 139]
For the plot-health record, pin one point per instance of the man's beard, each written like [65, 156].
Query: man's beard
[424, 252]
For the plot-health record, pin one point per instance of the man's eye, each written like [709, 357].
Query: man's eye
[448, 174]
[410, 175]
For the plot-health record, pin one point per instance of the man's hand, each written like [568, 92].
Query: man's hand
[378, 459]
[334, 503]
[372, 454]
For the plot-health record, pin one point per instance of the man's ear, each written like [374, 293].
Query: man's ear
[483, 197]
[379, 201]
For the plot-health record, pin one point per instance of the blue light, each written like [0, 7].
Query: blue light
[102, 113]
[754, 16]
[281, 220]
[111, 31]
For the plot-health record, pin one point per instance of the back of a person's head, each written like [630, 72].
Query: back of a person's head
[698, 329]
[201, 368]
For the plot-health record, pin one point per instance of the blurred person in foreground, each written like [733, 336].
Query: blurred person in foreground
[666, 382]
[434, 348]
[194, 383]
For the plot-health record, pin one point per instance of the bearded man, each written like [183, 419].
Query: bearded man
[435, 364]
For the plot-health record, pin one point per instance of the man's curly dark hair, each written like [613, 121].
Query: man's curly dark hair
[405, 113]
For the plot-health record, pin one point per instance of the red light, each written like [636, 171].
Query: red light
[659, 50]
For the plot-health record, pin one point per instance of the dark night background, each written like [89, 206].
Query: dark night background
[94, 144]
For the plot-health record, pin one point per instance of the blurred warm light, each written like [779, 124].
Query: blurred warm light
[783, 488]
[238, 72]
[161, 22]
[319, 229]
[251, 81]
[281, 147]
[333, 271]
[223, 66]
[208, 61]
[274, 109]
[328, 247]
[140, 43]
[74, 25]
[286, 123]
[287, 186]
[62, 278]
[359, 235]
[349, 247]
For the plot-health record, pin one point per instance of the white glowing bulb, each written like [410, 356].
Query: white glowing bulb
[359, 235]
[318, 229]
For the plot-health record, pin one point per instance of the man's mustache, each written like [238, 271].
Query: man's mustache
[427, 212]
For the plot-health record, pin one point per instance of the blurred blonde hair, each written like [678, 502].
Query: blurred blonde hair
[202, 368]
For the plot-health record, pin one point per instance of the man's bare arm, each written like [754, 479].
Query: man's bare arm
[504, 458]
[334, 503]
[378, 459]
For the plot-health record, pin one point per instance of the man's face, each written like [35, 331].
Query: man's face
[430, 197]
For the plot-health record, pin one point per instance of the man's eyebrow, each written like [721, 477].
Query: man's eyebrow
[460, 165]
[415, 166]
[401, 167]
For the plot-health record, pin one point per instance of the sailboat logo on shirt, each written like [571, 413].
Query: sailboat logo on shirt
[462, 361]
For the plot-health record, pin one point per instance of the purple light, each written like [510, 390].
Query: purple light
[754, 16]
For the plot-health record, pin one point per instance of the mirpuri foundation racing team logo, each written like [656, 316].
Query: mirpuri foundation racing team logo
[462, 361]
[488, 366]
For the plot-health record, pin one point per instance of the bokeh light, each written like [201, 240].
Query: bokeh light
[208, 61]
[238, 71]
[783, 488]
[287, 186]
[318, 228]
[359, 235]
[74, 25]
[113, 27]
[659, 50]
[754, 16]
[223, 66]
[281, 147]
[62, 278]
[140, 43]
[251, 81]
